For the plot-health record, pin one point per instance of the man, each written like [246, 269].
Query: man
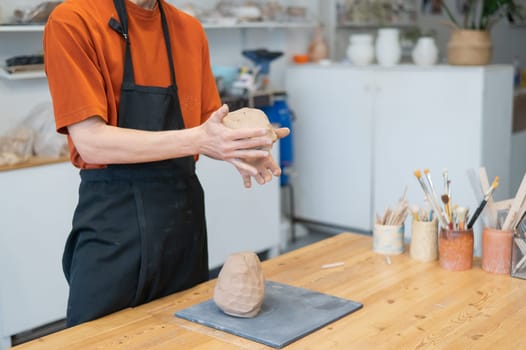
[132, 88]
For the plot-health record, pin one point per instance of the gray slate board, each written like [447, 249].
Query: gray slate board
[287, 314]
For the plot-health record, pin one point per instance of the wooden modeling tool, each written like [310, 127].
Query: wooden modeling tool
[434, 205]
[518, 202]
[487, 195]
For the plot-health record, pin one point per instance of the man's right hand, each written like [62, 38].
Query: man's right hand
[220, 142]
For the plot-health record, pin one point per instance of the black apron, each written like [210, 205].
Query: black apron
[138, 231]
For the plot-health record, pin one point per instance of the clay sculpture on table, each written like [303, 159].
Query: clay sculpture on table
[249, 118]
[240, 287]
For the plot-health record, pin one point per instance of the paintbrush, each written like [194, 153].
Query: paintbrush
[460, 214]
[445, 200]
[436, 209]
[434, 196]
[483, 203]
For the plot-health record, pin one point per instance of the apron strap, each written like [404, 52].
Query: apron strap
[168, 43]
[122, 28]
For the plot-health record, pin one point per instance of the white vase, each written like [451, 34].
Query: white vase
[425, 52]
[388, 50]
[360, 50]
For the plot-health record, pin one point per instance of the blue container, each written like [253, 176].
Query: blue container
[279, 113]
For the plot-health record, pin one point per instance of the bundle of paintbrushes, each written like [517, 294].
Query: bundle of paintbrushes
[395, 217]
[453, 218]
[421, 214]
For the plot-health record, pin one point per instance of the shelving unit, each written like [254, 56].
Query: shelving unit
[21, 28]
[22, 75]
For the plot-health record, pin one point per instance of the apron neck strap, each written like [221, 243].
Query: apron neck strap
[122, 28]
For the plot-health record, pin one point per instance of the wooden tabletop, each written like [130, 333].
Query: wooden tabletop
[407, 305]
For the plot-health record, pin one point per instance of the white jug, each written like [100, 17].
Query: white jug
[425, 52]
[360, 51]
[388, 50]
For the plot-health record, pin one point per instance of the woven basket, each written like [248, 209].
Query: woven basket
[469, 48]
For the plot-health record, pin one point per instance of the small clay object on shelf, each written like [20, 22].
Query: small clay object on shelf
[240, 287]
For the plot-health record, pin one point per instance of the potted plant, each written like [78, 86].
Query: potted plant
[470, 42]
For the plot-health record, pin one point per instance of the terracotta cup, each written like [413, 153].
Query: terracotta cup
[388, 239]
[455, 249]
[424, 241]
[496, 250]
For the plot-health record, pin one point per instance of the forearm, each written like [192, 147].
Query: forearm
[99, 143]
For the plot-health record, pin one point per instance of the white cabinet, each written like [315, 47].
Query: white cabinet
[332, 144]
[360, 134]
[36, 210]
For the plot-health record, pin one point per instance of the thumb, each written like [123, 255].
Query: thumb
[220, 113]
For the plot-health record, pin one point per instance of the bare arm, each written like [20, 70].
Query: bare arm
[99, 143]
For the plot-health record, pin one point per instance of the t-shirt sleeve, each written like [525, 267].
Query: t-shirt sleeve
[210, 98]
[75, 81]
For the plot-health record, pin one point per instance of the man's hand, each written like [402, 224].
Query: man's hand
[222, 143]
[261, 169]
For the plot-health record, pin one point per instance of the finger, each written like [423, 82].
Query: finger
[282, 132]
[247, 153]
[247, 182]
[244, 167]
[253, 142]
[220, 113]
[260, 179]
[248, 133]
[266, 175]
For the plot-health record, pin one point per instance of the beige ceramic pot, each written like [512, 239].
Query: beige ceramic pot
[469, 48]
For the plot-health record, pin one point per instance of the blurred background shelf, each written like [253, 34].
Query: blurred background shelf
[13, 28]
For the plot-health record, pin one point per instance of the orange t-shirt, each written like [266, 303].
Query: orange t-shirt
[84, 61]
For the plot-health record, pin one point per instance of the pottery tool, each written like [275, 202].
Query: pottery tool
[490, 214]
[434, 205]
[447, 190]
[461, 214]
[332, 265]
[397, 216]
[487, 195]
[504, 205]
[432, 190]
[518, 203]
[447, 205]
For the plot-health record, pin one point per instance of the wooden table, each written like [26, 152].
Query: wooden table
[407, 305]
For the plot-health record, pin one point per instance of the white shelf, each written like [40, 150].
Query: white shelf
[22, 75]
[262, 25]
[16, 28]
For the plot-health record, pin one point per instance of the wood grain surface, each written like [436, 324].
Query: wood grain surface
[407, 305]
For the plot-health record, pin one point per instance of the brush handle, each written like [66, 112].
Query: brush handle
[477, 214]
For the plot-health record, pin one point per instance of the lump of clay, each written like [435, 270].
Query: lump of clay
[249, 118]
[240, 287]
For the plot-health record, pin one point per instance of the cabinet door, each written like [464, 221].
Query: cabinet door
[332, 144]
[426, 119]
[36, 210]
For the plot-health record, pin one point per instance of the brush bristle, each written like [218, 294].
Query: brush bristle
[426, 171]
[495, 182]
[418, 173]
